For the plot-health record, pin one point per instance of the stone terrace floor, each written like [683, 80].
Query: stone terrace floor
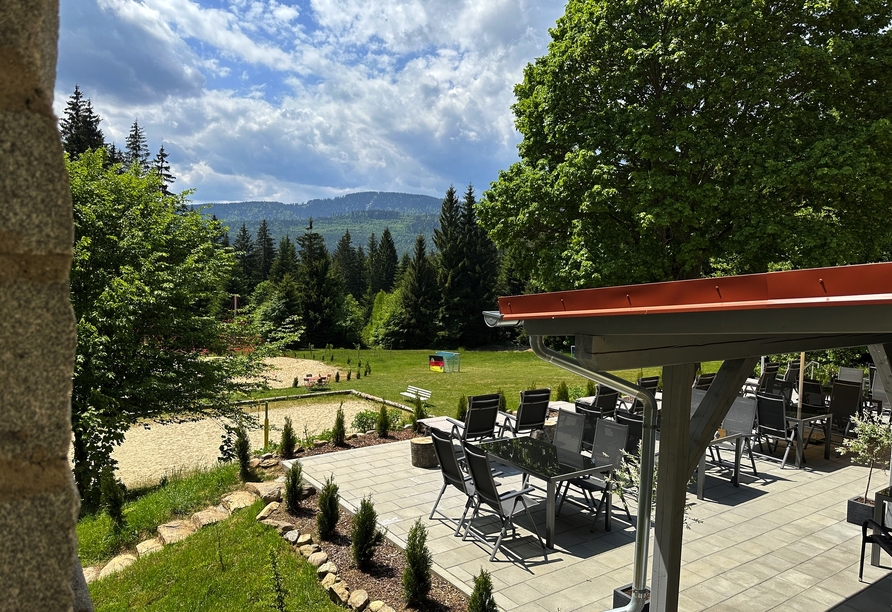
[778, 542]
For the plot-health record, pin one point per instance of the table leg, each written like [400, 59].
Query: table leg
[738, 453]
[549, 513]
[799, 445]
[827, 425]
[701, 475]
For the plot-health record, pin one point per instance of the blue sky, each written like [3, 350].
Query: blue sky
[291, 101]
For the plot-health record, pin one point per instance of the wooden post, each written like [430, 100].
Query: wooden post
[265, 424]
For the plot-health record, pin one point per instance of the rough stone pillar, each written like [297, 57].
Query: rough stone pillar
[38, 501]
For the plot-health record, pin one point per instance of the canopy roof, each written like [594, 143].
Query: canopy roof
[707, 319]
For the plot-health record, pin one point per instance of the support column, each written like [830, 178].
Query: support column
[672, 481]
[880, 354]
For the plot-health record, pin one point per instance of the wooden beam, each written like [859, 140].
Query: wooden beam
[880, 354]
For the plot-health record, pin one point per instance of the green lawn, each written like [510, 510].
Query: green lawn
[481, 372]
[224, 567]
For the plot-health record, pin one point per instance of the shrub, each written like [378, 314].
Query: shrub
[296, 382]
[358, 373]
[329, 511]
[243, 454]
[278, 588]
[337, 377]
[112, 496]
[419, 412]
[365, 420]
[417, 575]
[482, 597]
[365, 536]
[289, 440]
[348, 374]
[462, 411]
[503, 403]
[339, 431]
[368, 368]
[562, 393]
[294, 487]
[382, 424]
[590, 388]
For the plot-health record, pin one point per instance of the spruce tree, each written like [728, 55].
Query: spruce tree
[79, 126]
[285, 261]
[373, 270]
[266, 251]
[452, 271]
[387, 260]
[482, 266]
[321, 290]
[346, 258]
[419, 300]
[137, 152]
[246, 262]
[162, 169]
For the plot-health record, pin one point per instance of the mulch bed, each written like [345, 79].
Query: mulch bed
[383, 580]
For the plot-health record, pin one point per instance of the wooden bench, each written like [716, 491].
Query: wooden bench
[413, 392]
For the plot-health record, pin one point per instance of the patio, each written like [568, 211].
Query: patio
[779, 541]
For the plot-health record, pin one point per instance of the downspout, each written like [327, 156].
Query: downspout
[645, 492]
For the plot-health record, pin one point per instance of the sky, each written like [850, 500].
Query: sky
[291, 101]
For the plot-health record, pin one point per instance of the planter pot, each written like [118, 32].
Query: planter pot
[623, 595]
[857, 511]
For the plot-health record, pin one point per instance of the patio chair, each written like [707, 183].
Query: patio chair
[845, 401]
[452, 475]
[650, 383]
[704, 380]
[610, 440]
[530, 414]
[568, 433]
[771, 410]
[878, 392]
[783, 388]
[879, 535]
[851, 375]
[769, 374]
[635, 423]
[602, 405]
[504, 505]
[792, 373]
[741, 419]
[480, 419]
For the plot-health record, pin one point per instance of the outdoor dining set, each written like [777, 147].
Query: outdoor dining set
[594, 437]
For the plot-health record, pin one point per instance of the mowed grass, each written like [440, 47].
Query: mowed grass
[221, 568]
[182, 495]
[481, 372]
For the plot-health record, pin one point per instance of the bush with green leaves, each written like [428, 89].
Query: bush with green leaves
[382, 425]
[243, 453]
[562, 393]
[462, 411]
[870, 445]
[417, 575]
[329, 510]
[339, 431]
[288, 442]
[365, 536]
[294, 488]
[112, 496]
[482, 599]
[365, 420]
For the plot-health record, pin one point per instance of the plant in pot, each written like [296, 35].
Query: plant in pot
[870, 446]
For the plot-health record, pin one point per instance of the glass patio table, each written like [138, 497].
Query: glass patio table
[545, 461]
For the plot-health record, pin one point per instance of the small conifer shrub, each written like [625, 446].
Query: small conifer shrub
[349, 372]
[503, 404]
[289, 440]
[294, 488]
[358, 373]
[112, 496]
[339, 431]
[337, 377]
[462, 411]
[591, 388]
[278, 586]
[365, 536]
[419, 412]
[243, 454]
[482, 596]
[562, 393]
[329, 511]
[417, 575]
[368, 368]
[382, 424]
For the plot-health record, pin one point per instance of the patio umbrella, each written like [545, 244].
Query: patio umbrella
[801, 379]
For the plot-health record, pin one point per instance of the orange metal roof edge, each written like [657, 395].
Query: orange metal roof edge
[816, 287]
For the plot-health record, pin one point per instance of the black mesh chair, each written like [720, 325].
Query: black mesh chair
[602, 405]
[530, 414]
[769, 374]
[878, 535]
[504, 505]
[480, 419]
[703, 381]
[845, 401]
[635, 423]
[649, 383]
[771, 410]
[741, 419]
[452, 475]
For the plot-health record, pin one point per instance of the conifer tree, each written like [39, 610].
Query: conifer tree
[113, 156]
[420, 300]
[373, 270]
[452, 271]
[387, 260]
[285, 261]
[79, 126]
[162, 168]
[137, 152]
[481, 276]
[246, 262]
[345, 256]
[322, 291]
[266, 251]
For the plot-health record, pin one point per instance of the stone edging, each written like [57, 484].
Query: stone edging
[365, 396]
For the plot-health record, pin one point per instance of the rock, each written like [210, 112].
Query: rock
[147, 547]
[117, 564]
[265, 456]
[370, 432]
[319, 443]
[253, 463]
[339, 593]
[299, 449]
[304, 538]
[329, 580]
[358, 600]
[91, 574]
[281, 526]
[209, 516]
[350, 436]
[326, 568]
[269, 491]
[269, 463]
[317, 558]
[292, 536]
[175, 531]
[269, 509]
[238, 499]
[309, 549]
[386, 608]
[308, 491]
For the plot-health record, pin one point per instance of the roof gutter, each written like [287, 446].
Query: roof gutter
[645, 490]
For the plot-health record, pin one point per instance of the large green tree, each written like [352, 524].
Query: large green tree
[137, 152]
[146, 287]
[79, 126]
[481, 273]
[668, 140]
[449, 239]
[415, 324]
[266, 251]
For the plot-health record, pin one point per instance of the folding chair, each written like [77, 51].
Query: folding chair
[452, 474]
[845, 401]
[504, 505]
[771, 409]
[530, 414]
